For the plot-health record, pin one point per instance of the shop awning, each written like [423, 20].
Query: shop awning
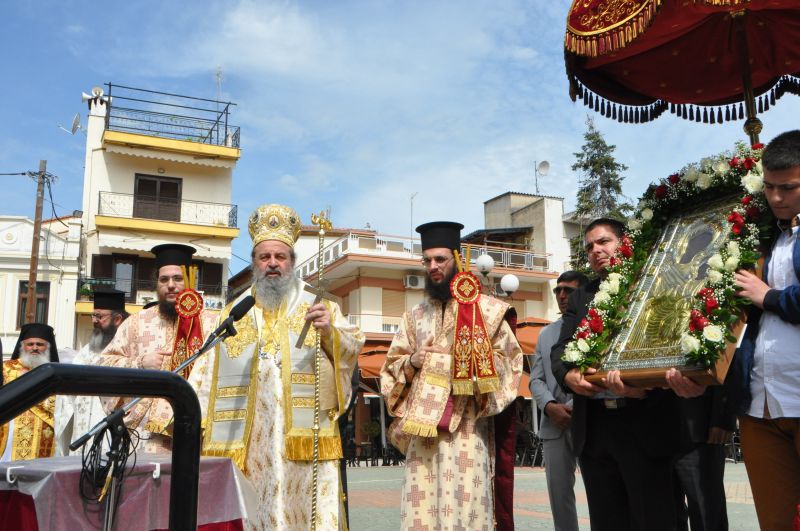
[528, 333]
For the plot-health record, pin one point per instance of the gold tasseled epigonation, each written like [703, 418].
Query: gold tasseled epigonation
[301, 447]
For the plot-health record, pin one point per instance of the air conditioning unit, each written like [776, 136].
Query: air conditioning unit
[414, 281]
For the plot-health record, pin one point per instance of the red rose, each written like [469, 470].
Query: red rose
[736, 229]
[752, 212]
[735, 218]
[697, 323]
[626, 240]
[758, 146]
[583, 334]
[705, 293]
[661, 191]
[733, 162]
[593, 313]
[596, 325]
[583, 324]
[614, 261]
[746, 199]
[711, 305]
[626, 251]
[674, 178]
[748, 163]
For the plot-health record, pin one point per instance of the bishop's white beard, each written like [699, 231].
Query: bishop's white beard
[271, 291]
[31, 361]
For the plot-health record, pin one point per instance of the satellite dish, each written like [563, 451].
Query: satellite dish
[543, 168]
[76, 123]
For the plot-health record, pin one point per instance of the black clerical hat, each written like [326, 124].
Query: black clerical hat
[440, 234]
[109, 299]
[173, 254]
[40, 331]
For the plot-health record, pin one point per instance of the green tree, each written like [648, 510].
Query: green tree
[600, 186]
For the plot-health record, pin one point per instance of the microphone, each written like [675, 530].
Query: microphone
[237, 312]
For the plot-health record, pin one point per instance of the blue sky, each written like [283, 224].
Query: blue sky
[350, 105]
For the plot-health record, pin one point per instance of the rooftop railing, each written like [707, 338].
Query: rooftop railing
[400, 247]
[167, 115]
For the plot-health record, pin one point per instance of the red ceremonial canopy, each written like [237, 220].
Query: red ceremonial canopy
[631, 60]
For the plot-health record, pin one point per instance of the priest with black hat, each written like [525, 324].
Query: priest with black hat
[75, 415]
[453, 366]
[160, 338]
[30, 435]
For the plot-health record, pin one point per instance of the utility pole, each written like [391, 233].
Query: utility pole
[30, 308]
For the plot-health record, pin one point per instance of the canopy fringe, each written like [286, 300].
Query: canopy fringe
[697, 113]
[603, 41]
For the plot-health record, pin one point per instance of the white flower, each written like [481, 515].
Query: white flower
[634, 224]
[732, 263]
[721, 167]
[752, 183]
[583, 345]
[691, 175]
[572, 355]
[647, 214]
[689, 343]
[714, 276]
[716, 262]
[706, 162]
[759, 168]
[614, 277]
[703, 180]
[613, 286]
[733, 248]
[602, 297]
[713, 333]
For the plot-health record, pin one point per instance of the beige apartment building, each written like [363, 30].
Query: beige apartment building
[159, 169]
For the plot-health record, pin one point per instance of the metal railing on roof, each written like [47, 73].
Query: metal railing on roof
[400, 247]
[167, 115]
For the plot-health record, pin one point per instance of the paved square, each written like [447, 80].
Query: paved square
[375, 499]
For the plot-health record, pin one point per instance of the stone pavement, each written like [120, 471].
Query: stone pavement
[375, 499]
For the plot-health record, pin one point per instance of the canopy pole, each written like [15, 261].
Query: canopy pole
[752, 125]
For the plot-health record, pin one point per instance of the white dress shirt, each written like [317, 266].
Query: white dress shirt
[776, 365]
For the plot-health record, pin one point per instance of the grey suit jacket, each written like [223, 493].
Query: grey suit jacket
[544, 387]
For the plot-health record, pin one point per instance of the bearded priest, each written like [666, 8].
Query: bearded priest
[160, 338]
[31, 434]
[453, 366]
[257, 389]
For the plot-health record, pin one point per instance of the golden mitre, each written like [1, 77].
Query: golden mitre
[274, 222]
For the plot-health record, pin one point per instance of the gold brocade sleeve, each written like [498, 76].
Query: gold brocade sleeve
[397, 372]
[342, 347]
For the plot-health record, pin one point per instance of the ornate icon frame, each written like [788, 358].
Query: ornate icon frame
[661, 297]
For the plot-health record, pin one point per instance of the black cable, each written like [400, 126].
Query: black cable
[98, 465]
[52, 204]
[18, 173]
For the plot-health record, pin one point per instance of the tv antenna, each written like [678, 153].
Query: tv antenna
[540, 169]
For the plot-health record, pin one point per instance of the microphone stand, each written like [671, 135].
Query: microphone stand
[115, 423]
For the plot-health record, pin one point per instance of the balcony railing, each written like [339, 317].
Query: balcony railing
[165, 115]
[143, 291]
[144, 207]
[400, 247]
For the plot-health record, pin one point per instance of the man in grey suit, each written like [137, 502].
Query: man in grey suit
[556, 407]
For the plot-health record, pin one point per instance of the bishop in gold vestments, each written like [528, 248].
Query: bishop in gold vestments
[257, 389]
